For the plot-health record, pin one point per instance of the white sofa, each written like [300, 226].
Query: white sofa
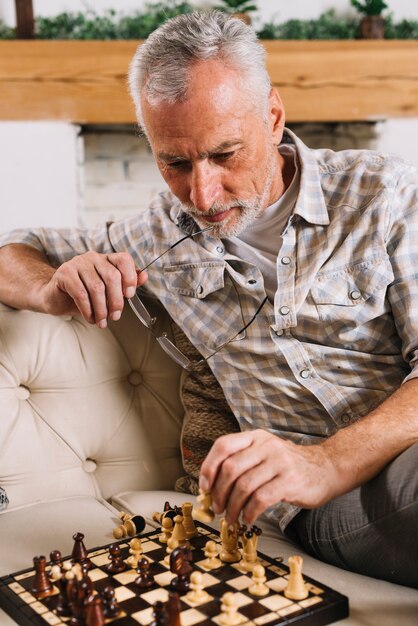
[90, 422]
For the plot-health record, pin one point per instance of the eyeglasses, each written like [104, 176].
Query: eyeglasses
[145, 317]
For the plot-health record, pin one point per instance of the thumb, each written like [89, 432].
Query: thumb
[141, 277]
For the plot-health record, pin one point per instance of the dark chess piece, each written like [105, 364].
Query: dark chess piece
[77, 603]
[144, 579]
[79, 553]
[94, 612]
[159, 614]
[116, 564]
[42, 586]
[110, 605]
[56, 558]
[173, 609]
[180, 564]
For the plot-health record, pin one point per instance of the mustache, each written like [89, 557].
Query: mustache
[217, 207]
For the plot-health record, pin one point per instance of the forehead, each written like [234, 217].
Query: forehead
[216, 110]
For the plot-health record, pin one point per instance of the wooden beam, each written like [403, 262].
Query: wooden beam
[25, 23]
[85, 81]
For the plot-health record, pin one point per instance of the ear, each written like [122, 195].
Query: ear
[276, 116]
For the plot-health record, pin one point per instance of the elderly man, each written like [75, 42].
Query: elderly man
[294, 274]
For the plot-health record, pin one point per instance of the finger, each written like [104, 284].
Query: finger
[125, 264]
[68, 281]
[222, 448]
[141, 277]
[265, 496]
[113, 293]
[96, 290]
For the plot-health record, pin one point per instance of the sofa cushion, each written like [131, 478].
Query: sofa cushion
[84, 411]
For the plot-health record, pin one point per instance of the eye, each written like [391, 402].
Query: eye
[178, 165]
[224, 156]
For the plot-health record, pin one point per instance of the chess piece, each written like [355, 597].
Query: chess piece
[203, 511]
[173, 609]
[94, 612]
[42, 586]
[180, 564]
[116, 564]
[296, 588]
[110, 605]
[144, 580]
[55, 558]
[57, 577]
[229, 615]
[167, 528]
[178, 536]
[197, 593]
[135, 551]
[188, 522]
[229, 547]
[79, 553]
[258, 578]
[131, 525]
[211, 554]
[249, 540]
[159, 614]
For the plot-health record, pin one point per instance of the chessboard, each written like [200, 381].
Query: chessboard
[137, 606]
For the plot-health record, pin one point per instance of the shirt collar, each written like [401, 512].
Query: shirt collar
[310, 203]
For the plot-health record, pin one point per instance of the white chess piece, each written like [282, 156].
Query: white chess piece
[296, 588]
[197, 594]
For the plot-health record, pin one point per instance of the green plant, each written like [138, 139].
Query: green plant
[6, 32]
[370, 7]
[327, 26]
[238, 6]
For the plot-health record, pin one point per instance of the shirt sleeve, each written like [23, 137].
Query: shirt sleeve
[402, 237]
[60, 245]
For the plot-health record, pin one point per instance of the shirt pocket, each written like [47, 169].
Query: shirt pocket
[195, 280]
[355, 294]
[204, 301]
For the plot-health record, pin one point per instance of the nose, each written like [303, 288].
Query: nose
[205, 186]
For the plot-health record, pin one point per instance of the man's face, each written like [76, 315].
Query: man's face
[216, 151]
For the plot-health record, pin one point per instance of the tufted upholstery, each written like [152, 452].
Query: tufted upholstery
[90, 422]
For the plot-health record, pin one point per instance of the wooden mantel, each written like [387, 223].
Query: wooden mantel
[85, 81]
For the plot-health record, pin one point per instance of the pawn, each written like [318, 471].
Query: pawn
[116, 564]
[258, 578]
[197, 594]
[296, 587]
[55, 558]
[167, 528]
[135, 551]
[110, 605]
[144, 579]
[159, 614]
[229, 608]
[211, 552]
[178, 536]
[203, 512]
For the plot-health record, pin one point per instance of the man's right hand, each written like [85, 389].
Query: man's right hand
[93, 285]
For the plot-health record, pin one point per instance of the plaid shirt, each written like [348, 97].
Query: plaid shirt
[342, 332]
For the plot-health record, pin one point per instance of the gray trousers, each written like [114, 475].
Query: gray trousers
[372, 530]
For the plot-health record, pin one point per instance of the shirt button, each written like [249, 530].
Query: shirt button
[355, 294]
[345, 418]
[305, 374]
[200, 289]
[286, 260]
[252, 281]
[279, 332]
[219, 249]
[284, 310]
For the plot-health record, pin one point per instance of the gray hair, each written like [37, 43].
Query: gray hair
[161, 64]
